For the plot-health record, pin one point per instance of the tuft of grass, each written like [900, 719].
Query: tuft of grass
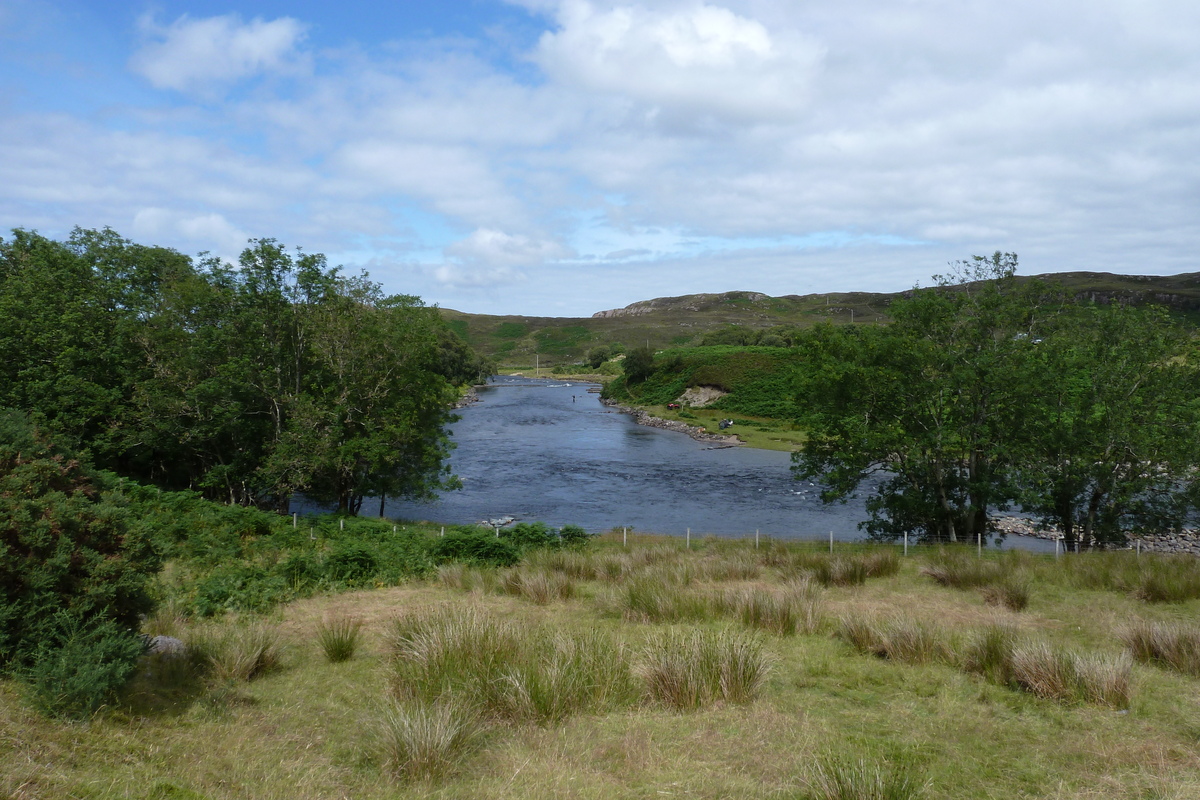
[834, 778]
[794, 608]
[507, 672]
[418, 740]
[338, 637]
[1067, 677]
[688, 670]
[988, 651]
[539, 586]
[901, 638]
[1172, 645]
[648, 598]
[1010, 592]
[238, 653]
[960, 570]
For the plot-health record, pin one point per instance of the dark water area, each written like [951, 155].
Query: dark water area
[544, 450]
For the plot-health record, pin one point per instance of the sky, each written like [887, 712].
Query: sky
[562, 157]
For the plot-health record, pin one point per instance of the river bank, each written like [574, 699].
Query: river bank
[642, 417]
[1186, 541]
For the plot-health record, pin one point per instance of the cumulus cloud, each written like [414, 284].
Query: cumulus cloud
[491, 257]
[699, 57]
[211, 231]
[197, 54]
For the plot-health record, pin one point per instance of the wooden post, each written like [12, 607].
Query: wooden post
[831, 543]
[1139, 548]
[312, 533]
[756, 538]
[393, 529]
[906, 543]
[689, 539]
[295, 518]
[979, 541]
[1057, 546]
[624, 537]
[342, 523]
[443, 530]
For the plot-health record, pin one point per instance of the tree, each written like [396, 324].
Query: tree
[928, 402]
[1110, 424]
[639, 364]
[598, 355]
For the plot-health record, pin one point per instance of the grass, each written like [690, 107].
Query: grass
[1172, 645]
[338, 638]
[457, 693]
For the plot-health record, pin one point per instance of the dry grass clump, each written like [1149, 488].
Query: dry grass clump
[686, 670]
[796, 607]
[539, 586]
[737, 565]
[417, 740]
[237, 653]
[1152, 577]
[338, 637]
[901, 638]
[1168, 644]
[649, 598]
[960, 570]
[466, 578]
[574, 564]
[1010, 592]
[836, 778]
[507, 672]
[1056, 674]
[988, 651]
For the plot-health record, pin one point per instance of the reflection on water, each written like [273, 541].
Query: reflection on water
[549, 451]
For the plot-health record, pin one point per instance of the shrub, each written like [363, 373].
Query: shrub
[417, 740]
[82, 667]
[687, 670]
[350, 562]
[573, 536]
[67, 543]
[474, 546]
[338, 637]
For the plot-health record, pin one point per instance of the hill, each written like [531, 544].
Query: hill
[515, 341]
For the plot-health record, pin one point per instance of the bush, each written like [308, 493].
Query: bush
[573, 536]
[474, 546]
[82, 668]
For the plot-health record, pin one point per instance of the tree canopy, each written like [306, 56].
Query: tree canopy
[246, 382]
[985, 393]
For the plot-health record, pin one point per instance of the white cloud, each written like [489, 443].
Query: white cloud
[497, 248]
[197, 54]
[209, 231]
[699, 58]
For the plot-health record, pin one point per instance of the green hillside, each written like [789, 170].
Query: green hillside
[668, 322]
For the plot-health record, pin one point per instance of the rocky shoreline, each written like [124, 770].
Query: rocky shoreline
[467, 399]
[1186, 541]
[699, 434]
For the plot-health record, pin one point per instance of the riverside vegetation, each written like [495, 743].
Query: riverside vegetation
[595, 669]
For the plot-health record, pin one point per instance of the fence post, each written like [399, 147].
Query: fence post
[906, 543]
[756, 538]
[295, 519]
[979, 542]
[312, 533]
[1139, 548]
[1057, 545]
[393, 529]
[624, 537]
[831, 543]
[689, 539]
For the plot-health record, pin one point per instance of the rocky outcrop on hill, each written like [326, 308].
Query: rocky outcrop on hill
[643, 418]
[688, 302]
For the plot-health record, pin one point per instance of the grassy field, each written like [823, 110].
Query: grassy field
[655, 671]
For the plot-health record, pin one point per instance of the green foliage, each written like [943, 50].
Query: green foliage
[68, 546]
[81, 665]
[638, 364]
[474, 546]
[338, 637]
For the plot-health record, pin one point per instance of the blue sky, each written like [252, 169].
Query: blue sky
[561, 157]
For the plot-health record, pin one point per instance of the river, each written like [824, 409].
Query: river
[548, 450]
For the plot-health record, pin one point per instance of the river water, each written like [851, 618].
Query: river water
[544, 450]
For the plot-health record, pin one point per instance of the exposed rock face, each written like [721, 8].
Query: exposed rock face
[701, 396]
[697, 433]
